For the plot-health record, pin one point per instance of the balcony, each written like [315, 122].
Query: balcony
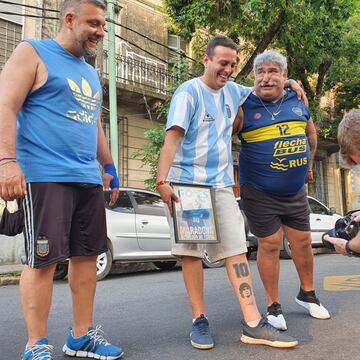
[138, 73]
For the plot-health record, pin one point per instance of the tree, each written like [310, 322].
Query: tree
[310, 33]
[319, 37]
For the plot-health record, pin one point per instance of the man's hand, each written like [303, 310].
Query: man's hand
[309, 176]
[167, 193]
[12, 181]
[300, 93]
[338, 243]
[111, 181]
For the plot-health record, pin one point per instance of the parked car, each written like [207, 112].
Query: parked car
[322, 219]
[137, 231]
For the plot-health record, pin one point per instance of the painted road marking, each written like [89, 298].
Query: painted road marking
[342, 283]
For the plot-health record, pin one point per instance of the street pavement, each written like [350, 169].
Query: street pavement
[149, 315]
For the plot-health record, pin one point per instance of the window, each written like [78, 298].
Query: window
[317, 208]
[123, 203]
[143, 198]
[10, 36]
[176, 44]
[148, 204]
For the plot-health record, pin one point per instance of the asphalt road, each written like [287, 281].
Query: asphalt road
[148, 314]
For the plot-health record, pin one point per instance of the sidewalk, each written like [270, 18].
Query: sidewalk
[10, 274]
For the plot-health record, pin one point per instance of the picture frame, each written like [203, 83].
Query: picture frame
[194, 215]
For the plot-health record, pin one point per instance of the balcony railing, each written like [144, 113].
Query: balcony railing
[146, 73]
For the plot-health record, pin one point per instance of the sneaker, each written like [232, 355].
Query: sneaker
[266, 334]
[91, 345]
[41, 350]
[200, 336]
[275, 316]
[309, 301]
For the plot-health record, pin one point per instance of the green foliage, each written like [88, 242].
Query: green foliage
[320, 39]
[149, 155]
[182, 70]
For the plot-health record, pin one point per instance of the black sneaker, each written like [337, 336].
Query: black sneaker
[265, 334]
[200, 336]
[309, 301]
[275, 316]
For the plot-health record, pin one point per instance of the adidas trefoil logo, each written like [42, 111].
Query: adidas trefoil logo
[84, 94]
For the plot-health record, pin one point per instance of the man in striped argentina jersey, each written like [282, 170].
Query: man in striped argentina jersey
[197, 150]
[277, 151]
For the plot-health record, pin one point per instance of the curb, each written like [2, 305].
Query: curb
[9, 280]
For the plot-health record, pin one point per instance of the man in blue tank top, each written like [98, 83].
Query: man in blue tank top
[50, 101]
[277, 151]
[197, 150]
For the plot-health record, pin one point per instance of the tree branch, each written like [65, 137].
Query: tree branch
[263, 44]
[323, 69]
[306, 84]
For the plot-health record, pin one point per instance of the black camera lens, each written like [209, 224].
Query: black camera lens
[345, 228]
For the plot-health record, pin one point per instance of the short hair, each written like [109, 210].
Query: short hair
[349, 135]
[219, 40]
[270, 56]
[244, 286]
[74, 5]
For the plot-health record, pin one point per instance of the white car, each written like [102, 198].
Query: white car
[322, 219]
[137, 231]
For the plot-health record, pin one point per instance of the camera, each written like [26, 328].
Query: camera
[345, 228]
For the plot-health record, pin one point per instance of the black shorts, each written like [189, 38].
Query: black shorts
[266, 213]
[63, 220]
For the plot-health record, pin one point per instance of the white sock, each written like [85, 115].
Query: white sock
[253, 323]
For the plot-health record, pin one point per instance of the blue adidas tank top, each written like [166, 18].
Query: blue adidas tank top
[57, 129]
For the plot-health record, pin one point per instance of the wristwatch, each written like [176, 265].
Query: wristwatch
[350, 252]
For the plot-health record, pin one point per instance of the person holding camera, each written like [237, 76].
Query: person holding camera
[349, 141]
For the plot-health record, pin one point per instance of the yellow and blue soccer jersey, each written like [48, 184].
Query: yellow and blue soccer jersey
[274, 154]
[207, 116]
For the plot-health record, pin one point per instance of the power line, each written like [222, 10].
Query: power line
[28, 6]
[108, 20]
[146, 37]
[29, 15]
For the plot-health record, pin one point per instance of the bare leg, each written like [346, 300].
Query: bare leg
[238, 271]
[269, 265]
[82, 281]
[194, 282]
[35, 294]
[302, 254]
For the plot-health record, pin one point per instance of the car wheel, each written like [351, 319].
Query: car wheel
[286, 252]
[165, 265]
[208, 264]
[61, 271]
[103, 265]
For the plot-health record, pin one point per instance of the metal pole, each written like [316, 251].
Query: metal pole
[114, 139]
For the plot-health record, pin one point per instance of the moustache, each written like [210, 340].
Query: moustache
[270, 83]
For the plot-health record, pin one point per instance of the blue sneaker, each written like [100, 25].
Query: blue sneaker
[265, 334]
[91, 345]
[200, 336]
[41, 350]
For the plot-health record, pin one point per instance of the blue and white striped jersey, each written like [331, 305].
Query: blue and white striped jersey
[206, 115]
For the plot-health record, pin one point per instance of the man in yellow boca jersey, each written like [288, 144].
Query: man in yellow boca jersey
[275, 161]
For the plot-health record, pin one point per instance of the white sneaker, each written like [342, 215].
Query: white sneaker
[317, 311]
[275, 316]
[309, 301]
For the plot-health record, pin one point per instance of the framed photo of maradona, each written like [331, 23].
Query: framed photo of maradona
[194, 215]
